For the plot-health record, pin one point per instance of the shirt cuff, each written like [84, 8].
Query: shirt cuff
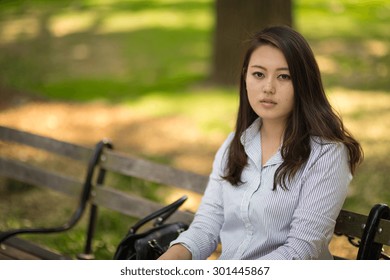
[189, 245]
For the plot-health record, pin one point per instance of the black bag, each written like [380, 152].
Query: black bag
[152, 243]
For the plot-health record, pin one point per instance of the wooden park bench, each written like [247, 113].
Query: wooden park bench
[92, 192]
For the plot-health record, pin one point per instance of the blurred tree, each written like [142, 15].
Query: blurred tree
[236, 20]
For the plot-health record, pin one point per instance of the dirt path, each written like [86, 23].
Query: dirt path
[171, 137]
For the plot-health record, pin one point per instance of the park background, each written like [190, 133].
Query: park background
[138, 72]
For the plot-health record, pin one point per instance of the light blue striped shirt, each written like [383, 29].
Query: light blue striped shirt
[254, 222]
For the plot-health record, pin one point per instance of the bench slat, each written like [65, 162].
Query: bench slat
[16, 248]
[45, 143]
[350, 223]
[11, 253]
[131, 205]
[39, 177]
[154, 172]
[383, 236]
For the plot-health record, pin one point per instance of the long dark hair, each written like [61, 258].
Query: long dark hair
[312, 114]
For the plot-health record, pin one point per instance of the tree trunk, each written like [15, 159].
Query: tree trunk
[236, 20]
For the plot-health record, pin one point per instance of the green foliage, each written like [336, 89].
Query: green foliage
[111, 228]
[120, 50]
[105, 49]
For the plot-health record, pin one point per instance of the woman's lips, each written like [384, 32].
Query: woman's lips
[268, 101]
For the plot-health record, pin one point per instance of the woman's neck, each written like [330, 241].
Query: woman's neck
[271, 139]
[272, 131]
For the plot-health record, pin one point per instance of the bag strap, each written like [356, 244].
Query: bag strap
[161, 214]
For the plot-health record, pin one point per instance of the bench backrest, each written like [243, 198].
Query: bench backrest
[109, 160]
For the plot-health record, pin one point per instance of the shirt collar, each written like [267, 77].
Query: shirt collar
[251, 132]
[275, 159]
[251, 141]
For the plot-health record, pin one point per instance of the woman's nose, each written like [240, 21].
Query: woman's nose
[269, 88]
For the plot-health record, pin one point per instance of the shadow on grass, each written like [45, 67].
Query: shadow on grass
[367, 187]
[145, 65]
[116, 67]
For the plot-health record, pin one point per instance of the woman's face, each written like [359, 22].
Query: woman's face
[269, 85]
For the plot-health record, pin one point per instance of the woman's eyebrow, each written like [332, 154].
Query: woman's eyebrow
[264, 68]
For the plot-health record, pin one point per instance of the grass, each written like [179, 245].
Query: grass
[154, 57]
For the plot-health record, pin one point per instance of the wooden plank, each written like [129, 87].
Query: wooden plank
[19, 249]
[383, 236]
[4, 257]
[40, 177]
[350, 223]
[11, 253]
[153, 172]
[45, 143]
[131, 205]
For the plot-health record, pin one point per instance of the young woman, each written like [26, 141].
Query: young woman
[279, 181]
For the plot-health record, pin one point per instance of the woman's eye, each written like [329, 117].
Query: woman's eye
[258, 74]
[284, 77]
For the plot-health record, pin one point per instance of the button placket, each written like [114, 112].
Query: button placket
[244, 211]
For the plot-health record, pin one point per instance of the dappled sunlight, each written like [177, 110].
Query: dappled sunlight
[326, 64]
[81, 52]
[131, 132]
[340, 247]
[367, 116]
[130, 21]
[103, 20]
[359, 64]
[362, 49]
[26, 27]
[212, 110]
[68, 23]
[349, 18]
[191, 204]
[349, 101]
[377, 48]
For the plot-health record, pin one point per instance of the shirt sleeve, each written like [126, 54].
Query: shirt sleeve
[202, 237]
[323, 191]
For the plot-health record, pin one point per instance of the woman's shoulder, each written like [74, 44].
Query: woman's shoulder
[317, 141]
[222, 155]
[225, 144]
[328, 156]
[322, 147]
